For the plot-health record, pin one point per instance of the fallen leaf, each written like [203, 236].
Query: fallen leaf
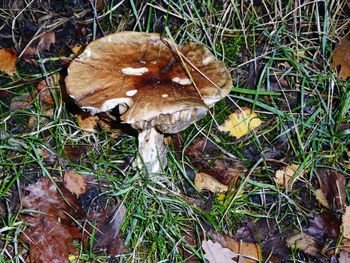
[47, 155]
[75, 152]
[241, 122]
[75, 182]
[344, 257]
[87, 122]
[50, 226]
[205, 181]
[346, 223]
[40, 45]
[216, 253]
[332, 185]
[341, 58]
[283, 176]
[305, 243]
[8, 61]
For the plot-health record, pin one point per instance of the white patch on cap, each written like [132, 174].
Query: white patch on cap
[108, 105]
[86, 54]
[131, 93]
[165, 95]
[134, 71]
[182, 81]
[211, 101]
[207, 60]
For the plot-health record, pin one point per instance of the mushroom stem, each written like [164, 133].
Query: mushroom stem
[152, 151]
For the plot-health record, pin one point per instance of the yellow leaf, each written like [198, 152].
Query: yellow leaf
[241, 122]
[77, 49]
[7, 60]
[205, 181]
[321, 198]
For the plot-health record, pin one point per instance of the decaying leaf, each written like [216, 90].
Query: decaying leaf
[341, 58]
[43, 43]
[283, 176]
[75, 182]
[346, 223]
[87, 122]
[216, 253]
[324, 226]
[77, 49]
[305, 243]
[321, 198]
[50, 226]
[241, 122]
[207, 182]
[8, 61]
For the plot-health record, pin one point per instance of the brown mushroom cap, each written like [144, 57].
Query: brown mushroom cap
[142, 74]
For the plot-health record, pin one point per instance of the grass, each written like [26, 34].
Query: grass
[279, 55]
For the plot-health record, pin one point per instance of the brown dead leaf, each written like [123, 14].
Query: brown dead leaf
[305, 243]
[241, 122]
[75, 182]
[341, 58]
[344, 257]
[40, 45]
[8, 61]
[283, 176]
[50, 230]
[332, 185]
[205, 181]
[87, 122]
[321, 198]
[75, 152]
[346, 223]
[77, 49]
[324, 226]
[216, 253]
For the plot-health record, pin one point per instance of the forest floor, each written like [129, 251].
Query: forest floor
[276, 191]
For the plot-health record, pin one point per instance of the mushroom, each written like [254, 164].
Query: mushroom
[158, 87]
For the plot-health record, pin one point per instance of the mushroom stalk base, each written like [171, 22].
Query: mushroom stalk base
[152, 151]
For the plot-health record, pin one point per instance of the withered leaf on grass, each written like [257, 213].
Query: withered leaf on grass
[50, 230]
[283, 176]
[341, 58]
[45, 87]
[21, 102]
[305, 243]
[87, 122]
[241, 122]
[75, 182]
[8, 61]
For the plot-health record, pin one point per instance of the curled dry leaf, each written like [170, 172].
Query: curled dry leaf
[241, 122]
[283, 176]
[305, 243]
[341, 58]
[205, 181]
[8, 61]
[216, 253]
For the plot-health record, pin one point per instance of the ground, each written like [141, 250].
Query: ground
[67, 180]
